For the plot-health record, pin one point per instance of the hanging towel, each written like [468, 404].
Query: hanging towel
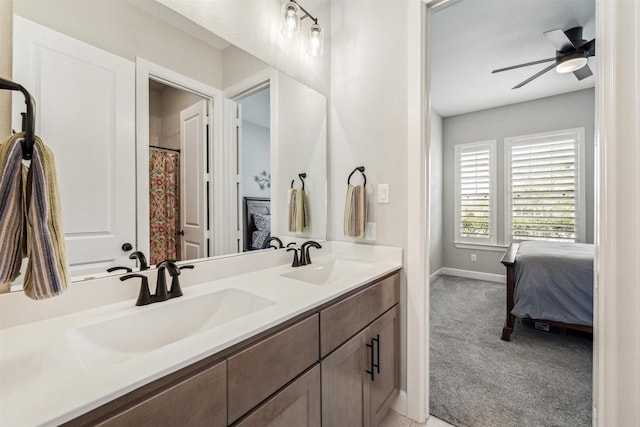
[36, 224]
[291, 196]
[355, 211]
[302, 211]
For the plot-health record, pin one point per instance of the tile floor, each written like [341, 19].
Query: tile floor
[393, 419]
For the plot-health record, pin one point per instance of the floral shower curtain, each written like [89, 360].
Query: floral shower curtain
[163, 204]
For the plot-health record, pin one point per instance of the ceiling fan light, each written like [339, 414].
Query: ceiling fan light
[572, 64]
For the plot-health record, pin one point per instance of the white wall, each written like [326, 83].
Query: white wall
[125, 30]
[567, 111]
[255, 158]
[255, 27]
[6, 43]
[368, 119]
[436, 259]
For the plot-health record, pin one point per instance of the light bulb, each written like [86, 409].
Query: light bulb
[290, 21]
[315, 44]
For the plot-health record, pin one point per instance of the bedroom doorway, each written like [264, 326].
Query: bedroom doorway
[470, 205]
[178, 147]
[252, 164]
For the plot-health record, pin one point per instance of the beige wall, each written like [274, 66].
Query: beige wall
[6, 39]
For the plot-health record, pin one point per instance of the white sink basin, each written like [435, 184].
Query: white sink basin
[328, 272]
[115, 340]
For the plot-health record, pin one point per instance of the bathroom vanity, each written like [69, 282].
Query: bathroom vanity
[314, 345]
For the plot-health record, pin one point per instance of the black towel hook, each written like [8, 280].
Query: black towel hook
[301, 176]
[361, 170]
[28, 121]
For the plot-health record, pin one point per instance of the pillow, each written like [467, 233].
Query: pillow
[262, 222]
[259, 239]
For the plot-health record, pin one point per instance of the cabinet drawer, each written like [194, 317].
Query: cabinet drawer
[197, 401]
[383, 296]
[298, 404]
[343, 320]
[260, 370]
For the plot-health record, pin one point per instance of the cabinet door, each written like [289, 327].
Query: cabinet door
[197, 401]
[298, 404]
[345, 384]
[384, 387]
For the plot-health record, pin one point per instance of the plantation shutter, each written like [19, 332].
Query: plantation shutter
[475, 192]
[544, 187]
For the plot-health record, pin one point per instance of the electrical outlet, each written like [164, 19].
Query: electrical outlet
[370, 231]
[474, 258]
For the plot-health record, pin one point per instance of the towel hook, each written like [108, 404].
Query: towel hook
[361, 170]
[301, 176]
[28, 121]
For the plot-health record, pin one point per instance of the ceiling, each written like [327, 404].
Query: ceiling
[473, 37]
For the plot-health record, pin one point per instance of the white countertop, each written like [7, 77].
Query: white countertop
[44, 382]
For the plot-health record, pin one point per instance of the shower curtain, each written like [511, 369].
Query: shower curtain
[164, 204]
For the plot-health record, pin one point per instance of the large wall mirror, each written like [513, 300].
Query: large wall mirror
[167, 139]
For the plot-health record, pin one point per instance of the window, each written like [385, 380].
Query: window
[475, 185]
[543, 177]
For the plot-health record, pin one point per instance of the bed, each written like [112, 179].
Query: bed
[550, 282]
[256, 222]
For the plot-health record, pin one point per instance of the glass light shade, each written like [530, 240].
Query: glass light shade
[290, 20]
[315, 44]
[571, 65]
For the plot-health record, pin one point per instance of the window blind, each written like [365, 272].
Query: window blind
[475, 192]
[543, 188]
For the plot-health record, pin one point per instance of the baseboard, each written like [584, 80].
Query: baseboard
[400, 404]
[469, 274]
[437, 273]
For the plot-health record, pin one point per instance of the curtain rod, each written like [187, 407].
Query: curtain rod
[163, 148]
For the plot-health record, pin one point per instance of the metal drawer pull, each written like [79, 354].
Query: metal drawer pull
[370, 372]
[376, 365]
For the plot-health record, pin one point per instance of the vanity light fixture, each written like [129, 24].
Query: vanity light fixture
[291, 21]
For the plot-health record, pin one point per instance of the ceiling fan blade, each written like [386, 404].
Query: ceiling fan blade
[513, 67]
[560, 40]
[583, 73]
[590, 47]
[535, 76]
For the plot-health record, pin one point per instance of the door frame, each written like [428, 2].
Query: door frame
[267, 77]
[608, 379]
[145, 71]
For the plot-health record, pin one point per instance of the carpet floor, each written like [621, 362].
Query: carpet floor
[538, 379]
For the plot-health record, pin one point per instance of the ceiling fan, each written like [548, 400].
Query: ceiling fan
[571, 55]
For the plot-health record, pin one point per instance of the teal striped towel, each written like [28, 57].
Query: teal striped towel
[30, 221]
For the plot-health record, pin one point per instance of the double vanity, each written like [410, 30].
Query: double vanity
[248, 344]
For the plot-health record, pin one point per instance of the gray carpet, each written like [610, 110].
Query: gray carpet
[538, 379]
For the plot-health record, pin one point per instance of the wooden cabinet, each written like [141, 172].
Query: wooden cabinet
[360, 378]
[298, 404]
[260, 370]
[385, 383]
[335, 365]
[196, 401]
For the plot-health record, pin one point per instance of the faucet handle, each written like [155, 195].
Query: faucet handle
[296, 262]
[139, 255]
[175, 290]
[169, 264]
[188, 266]
[144, 296]
[112, 269]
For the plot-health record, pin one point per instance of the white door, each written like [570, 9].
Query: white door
[193, 181]
[85, 112]
[232, 210]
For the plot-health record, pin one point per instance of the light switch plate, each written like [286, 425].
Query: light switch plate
[383, 193]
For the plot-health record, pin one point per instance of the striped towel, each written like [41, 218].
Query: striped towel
[32, 221]
[355, 211]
